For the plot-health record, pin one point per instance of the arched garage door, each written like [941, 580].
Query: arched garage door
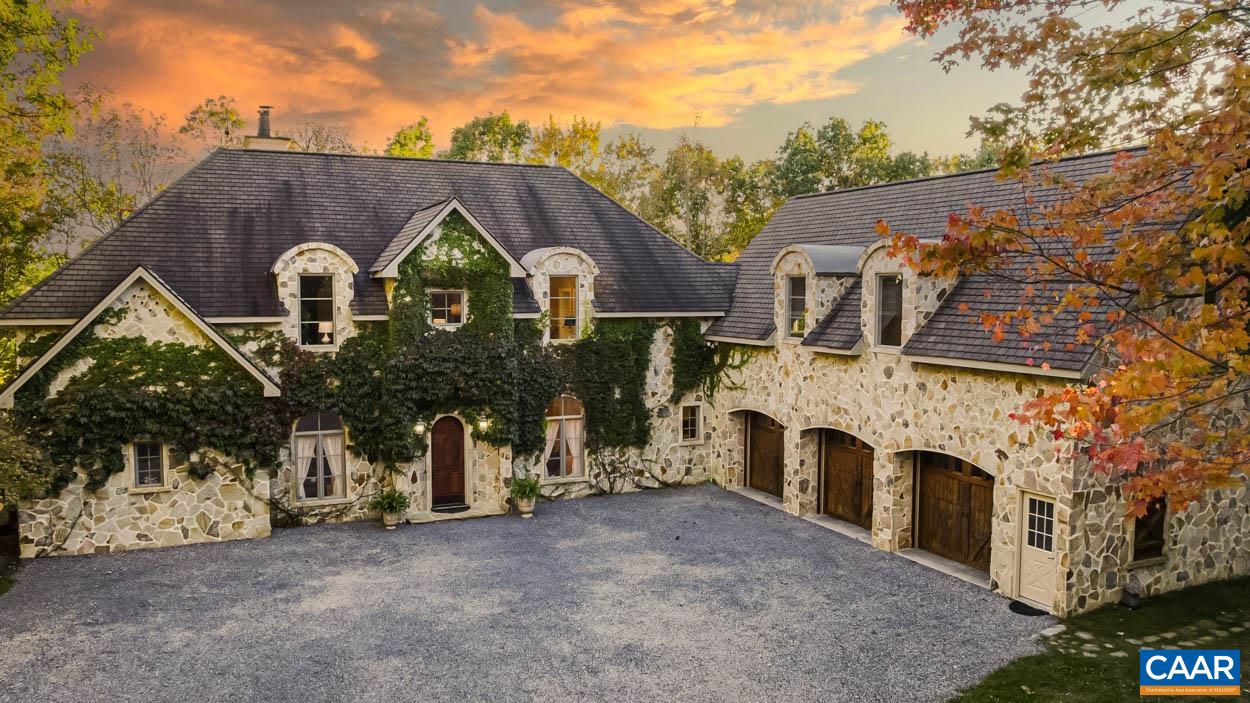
[765, 452]
[956, 506]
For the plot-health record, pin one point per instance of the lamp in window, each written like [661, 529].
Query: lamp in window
[419, 428]
[455, 310]
[325, 329]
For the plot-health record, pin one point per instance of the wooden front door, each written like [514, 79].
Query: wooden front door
[956, 509]
[447, 462]
[846, 476]
[765, 453]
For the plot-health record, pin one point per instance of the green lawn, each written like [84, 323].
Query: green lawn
[1095, 659]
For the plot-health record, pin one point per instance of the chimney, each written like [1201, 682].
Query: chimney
[262, 130]
[264, 139]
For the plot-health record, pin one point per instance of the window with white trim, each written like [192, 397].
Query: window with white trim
[562, 297]
[796, 306]
[566, 420]
[890, 311]
[149, 463]
[447, 308]
[316, 310]
[1040, 531]
[691, 423]
[319, 457]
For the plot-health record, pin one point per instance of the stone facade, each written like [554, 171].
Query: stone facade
[317, 258]
[563, 261]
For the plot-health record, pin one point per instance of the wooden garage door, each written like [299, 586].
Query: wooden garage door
[846, 476]
[765, 453]
[956, 509]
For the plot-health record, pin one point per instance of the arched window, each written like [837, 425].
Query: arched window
[565, 421]
[319, 456]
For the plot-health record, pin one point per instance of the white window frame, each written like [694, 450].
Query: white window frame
[299, 313]
[681, 423]
[790, 311]
[319, 448]
[878, 327]
[577, 307]
[133, 452]
[464, 307]
[560, 434]
[1038, 525]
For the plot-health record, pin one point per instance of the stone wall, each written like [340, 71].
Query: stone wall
[317, 258]
[226, 505]
[1207, 541]
[564, 261]
[898, 407]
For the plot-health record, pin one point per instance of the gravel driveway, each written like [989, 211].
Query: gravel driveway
[693, 594]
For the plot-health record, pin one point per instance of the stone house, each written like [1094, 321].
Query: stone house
[864, 396]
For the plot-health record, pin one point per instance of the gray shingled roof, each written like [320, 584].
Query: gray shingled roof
[214, 234]
[840, 328]
[406, 234]
[922, 208]
[523, 302]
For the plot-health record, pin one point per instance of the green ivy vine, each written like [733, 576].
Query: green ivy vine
[381, 381]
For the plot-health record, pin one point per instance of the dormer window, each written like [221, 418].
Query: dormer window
[890, 311]
[316, 311]
[447, 309]
[796, 306]
[563, 307]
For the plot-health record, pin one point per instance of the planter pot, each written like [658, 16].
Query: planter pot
[525, 506]
[390, 520]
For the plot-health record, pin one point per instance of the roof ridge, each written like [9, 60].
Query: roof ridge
[301, 152]
[941, 176]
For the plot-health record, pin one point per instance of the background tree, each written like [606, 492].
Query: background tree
[493, 138]
[117, 159]
[628, 169]
[36, 46]
[1150, 263]
[415, 141]
[315, 135]
[214, 123]
[685, 199]
[750, 199]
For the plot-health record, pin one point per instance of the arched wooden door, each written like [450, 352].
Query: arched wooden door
[765, 453]
[846, 478]
[956, 509]
[447, 462]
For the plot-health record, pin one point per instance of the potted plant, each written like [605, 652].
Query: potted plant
[524, 492]
[391, 503]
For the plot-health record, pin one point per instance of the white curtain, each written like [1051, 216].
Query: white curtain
[305, 462]
[573, 445]
[333, 446]
[553, 434]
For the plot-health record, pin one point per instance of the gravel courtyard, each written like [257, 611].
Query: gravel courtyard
[692, 594]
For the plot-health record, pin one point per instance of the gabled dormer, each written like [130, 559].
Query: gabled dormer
[896, 300]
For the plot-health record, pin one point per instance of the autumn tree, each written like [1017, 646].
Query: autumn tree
[628, 170]
[214, 123]
[1151, 261]
[414, 141]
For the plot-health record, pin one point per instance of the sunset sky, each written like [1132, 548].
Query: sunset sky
[736, 74]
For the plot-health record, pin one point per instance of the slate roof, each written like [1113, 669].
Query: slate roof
[215, 233]
[406, 234]
[920, 207]
[840, 327]
[523, 302]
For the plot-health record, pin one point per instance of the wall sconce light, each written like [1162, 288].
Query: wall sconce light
[419, 428]
[483, 424]
[325, 329]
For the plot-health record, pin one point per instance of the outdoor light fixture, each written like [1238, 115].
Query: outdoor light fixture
[324, 329]
[482, 424]
[419, 428]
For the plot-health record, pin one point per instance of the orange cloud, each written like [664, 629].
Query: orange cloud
[376, 66]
